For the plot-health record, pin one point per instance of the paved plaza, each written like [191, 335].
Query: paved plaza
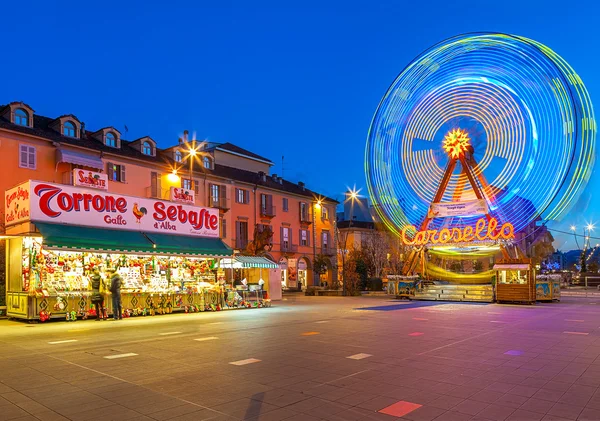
[311, 358]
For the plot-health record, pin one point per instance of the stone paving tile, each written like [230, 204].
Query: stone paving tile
[570, 412]
[470, 407]
[523, 415]
[453, 416]
[537, 405]
[245, 408]
[589, 414]
[496, 412]
[424, 413]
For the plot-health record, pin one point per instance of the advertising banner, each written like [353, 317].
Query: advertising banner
[182, 195]
[468, 208]
[62, 204]
[91, 179]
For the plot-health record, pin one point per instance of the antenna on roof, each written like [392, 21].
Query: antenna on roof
[281, 166]
[126, 128]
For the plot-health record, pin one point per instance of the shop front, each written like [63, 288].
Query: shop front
[167, 254]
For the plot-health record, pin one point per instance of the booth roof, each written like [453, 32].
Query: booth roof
[513, 266]
[78, 238]
[249, 262]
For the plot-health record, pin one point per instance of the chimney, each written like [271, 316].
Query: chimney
[82, 134]
[274, 177]
[281, 181]
[180, 141]
[185, 135]
[301, 185]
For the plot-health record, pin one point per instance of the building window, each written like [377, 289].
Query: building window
[223, 227]
[178, 156]
[324, 213]
[27, 157]
[206, 162]
[241, 233]
[116, 172]
[69, 129]
[304, 238]
[186, 184]
[111, 140]
[21, 117]
[214, 193]
[242, 196]
[325, 239]
[285, 204]
[285, 238]
[147, 148]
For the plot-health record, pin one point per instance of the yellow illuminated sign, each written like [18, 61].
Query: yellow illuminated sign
[468, 234]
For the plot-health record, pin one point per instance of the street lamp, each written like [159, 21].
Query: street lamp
[351, 195]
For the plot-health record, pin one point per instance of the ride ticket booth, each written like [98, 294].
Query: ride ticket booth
[167, 254]
[515, 281]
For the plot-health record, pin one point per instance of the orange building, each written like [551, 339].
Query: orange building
[223, 176]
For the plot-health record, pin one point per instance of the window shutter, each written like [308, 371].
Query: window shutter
[238, 235]
[31, 157]
[237, 195]
[223, 193]
[300, 237]
[24, 156]
[109, 171]
[159, 186]
[122, 167]
[290, 232]
[308, 238]
[224, 227]
[153, 184]
[281, 237]
[246, 196]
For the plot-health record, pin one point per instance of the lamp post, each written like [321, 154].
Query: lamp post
[352, 195]
[587, 231]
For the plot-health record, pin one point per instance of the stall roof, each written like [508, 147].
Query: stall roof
[77, 238]
[249, 262]
[513, 266]
[188, 245]
[79, 158]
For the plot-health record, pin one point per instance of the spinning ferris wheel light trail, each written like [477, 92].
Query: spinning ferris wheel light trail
[488, 117]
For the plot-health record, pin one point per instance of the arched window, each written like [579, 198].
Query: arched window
[206, 162]
[21, 117]
[147, 148]
[69, 129]
[178, 156]
[111, 140]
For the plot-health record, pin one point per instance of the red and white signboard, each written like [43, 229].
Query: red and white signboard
[182, 195]
[94, 180]
[16, 205]
[62, 204]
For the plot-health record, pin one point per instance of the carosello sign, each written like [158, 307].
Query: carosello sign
[71, 205]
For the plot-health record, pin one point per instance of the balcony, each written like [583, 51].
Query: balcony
[267, 211]
[288, 248]
[218, 202]
[306, 217]
[328, 251]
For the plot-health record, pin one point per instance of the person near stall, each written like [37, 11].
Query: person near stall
[115, 289]
[97, 296]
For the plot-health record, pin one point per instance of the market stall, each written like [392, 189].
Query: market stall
[401, 286]
[515, 281]
[249, 275]
[53, 251]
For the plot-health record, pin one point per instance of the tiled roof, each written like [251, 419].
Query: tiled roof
[233, 148]
[41, 129]
[356, 224]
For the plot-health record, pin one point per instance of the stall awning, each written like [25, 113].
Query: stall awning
[248, 262]
[513, 266]
[79, 158]
[77, 238]
[188, 245]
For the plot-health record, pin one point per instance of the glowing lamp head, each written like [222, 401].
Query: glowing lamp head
[573, 228]
[590, 227]
[173, 177]
[456, 143]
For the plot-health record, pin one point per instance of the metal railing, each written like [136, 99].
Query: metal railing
[217, 202]
[288, 248]
[328, 251]
[267, 210]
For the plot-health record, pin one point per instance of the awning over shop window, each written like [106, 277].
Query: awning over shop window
[188, 245]
[240, 262]
[513, 266]
[77, 238]
[79, 158]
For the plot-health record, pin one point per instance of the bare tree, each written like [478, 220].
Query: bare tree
[376, 247]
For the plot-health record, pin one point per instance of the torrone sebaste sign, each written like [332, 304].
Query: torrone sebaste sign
[37, 201]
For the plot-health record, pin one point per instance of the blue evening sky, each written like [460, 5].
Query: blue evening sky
[298, 79]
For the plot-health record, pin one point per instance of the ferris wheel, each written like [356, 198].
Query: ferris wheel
[522, 111]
